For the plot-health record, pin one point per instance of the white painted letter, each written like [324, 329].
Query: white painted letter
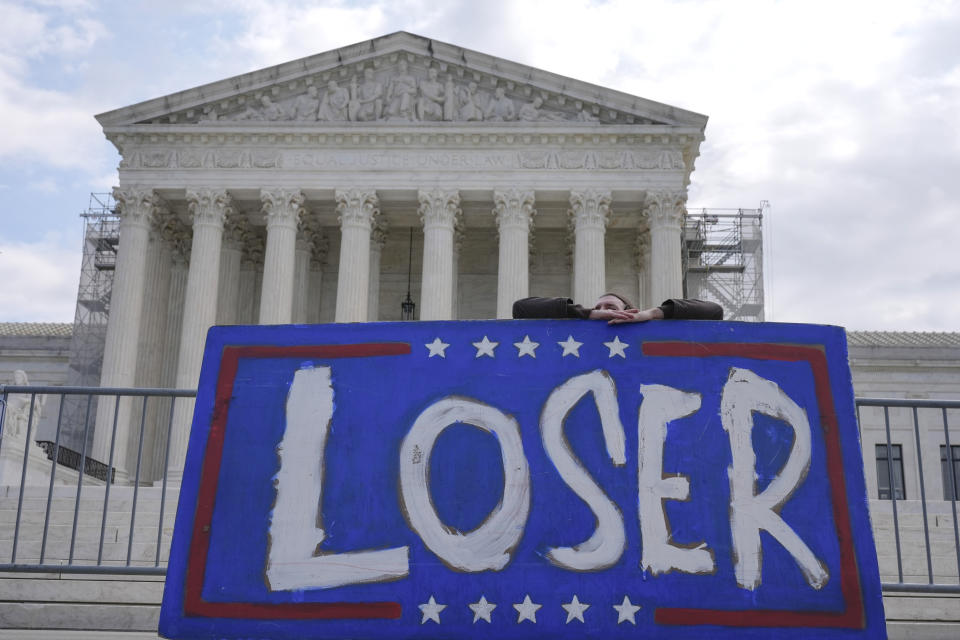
[488, 546]
[604, 548]
[743, 394]
[660, 406]
[296, 524]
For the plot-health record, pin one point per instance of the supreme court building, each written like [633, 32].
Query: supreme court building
[320, 189]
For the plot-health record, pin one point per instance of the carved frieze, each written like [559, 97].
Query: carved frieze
[406, 89]
[408, 159]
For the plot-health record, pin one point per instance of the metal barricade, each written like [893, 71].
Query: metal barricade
[916, 532]
[68, 524]
[75, 513]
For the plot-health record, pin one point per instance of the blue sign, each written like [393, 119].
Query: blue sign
[548, 478]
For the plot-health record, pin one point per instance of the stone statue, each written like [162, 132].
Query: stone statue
[401, 94]
[366, 101]
[501, 107]
[450, 106]
[586, 116]
[430, 103]
[334, 105]
[270, 110]
[305, 107]
[18, 407]
[470, 108]
[532, 112]
[209, 115]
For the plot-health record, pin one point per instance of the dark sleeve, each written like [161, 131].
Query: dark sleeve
[548, 308]
[679, 309]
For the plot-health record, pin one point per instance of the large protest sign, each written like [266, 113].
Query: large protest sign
[553, 478]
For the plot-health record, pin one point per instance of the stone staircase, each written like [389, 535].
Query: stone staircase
[69, 605]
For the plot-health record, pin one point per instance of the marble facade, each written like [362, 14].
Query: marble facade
[288, 195]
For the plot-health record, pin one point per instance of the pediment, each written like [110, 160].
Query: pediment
[399, 79]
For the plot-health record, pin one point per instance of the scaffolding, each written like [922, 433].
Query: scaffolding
[100, 239]
[723, 260]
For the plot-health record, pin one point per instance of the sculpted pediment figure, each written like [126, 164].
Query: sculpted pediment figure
[400, 78]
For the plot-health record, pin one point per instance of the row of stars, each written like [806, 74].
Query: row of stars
[527, 610]
[527, 347]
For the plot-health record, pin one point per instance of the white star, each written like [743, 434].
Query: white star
[526, 347]
[482, 609]
[616, 347]
[431, 610]
[570, 347]
[485, 347]
[575, 609]
[527, 610]
[437, 348]
[627, 611]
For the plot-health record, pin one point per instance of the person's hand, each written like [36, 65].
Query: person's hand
[635, 315]
[611, 315]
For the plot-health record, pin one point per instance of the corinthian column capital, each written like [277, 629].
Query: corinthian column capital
[590, 208]
[439, 208]
[282, 207]
[357, 207]
[378, 235]
[666, 207]
[137, 205]
[209, 207]
[513, 208]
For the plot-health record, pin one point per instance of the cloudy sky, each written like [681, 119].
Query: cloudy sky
[844, 115]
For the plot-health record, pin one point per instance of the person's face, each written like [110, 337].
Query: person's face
[610, 303]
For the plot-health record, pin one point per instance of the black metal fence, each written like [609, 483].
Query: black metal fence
[58, 512]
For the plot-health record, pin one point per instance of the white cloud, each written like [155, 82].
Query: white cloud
[40, 280]
[51, 126]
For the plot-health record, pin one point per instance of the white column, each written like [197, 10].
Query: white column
[641, 255]
[459, 235]
[438, 212]
[209, 208]
[178, 238]
[514, 212]
[137, 208]
[231, 255]
[590, 210]
[378, 238]
[356, 209]
[152, 333]
[283, 209]
[301, 278]
[665, 212]
[318, 260]
[251, 264]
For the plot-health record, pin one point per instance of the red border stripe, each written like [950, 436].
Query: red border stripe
[194, 604]
[853, 615]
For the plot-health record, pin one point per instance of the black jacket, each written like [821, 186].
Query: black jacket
[677, 309]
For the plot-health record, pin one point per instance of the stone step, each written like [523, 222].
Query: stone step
[145, 552]
[72, 634]
[81, 590]
[87, 531]
[87, 616]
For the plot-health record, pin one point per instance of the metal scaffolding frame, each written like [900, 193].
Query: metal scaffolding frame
[100, 239]
[723, 260]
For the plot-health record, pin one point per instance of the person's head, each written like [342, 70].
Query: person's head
[312, 91]
[613, 302]
[499, 92]
[368, 74]
[432, 73]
